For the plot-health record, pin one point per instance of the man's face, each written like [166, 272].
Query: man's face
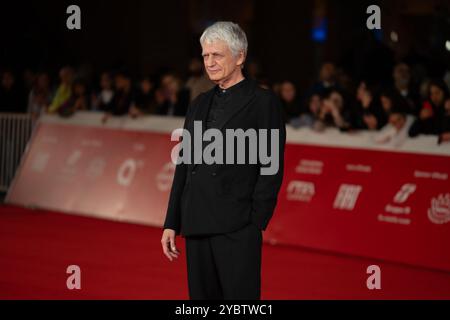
[105, 81]
[401, 74]
[122, 82]
[169, 84]
[287, 91]
[66, 75]
[146, 86]
[327, 72]
[219, 61]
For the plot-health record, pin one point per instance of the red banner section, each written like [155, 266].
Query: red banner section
[380, 204]
[386, 205]
[115, 174]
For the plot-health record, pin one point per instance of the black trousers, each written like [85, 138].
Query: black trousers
[225, 266]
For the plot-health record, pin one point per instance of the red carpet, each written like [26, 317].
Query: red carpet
[124, 261]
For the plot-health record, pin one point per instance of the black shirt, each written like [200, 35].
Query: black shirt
[219, 102]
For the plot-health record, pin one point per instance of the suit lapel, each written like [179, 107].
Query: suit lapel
[201, 114]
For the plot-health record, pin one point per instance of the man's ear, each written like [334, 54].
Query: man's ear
[241, 59]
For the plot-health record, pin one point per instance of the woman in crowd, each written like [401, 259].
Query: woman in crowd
[432, 111]
[334, 112]
[172, 98]
[145, 97]
[64, 90]
[369, 114]
[78, 100]
[310, 114]
[40, 95]
[290, 103]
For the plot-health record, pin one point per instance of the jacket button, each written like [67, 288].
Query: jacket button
[214, 174]
[193, 172]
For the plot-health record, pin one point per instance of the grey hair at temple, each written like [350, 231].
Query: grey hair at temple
[228, 32]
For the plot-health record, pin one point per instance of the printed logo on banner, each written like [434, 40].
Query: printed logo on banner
[358, 168]
[70, 167]
[347, 196]
[394, 212]
[439, 212]
[40, 162]
[127, 171]
[50, 139]
[300, 191]
[94, 143]
[431, 175]
[309, 166]
[73, 158]
[164, 177]
[405, 191]
[96, 168]
[139, 147]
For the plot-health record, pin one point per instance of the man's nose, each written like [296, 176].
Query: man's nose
[209, 61]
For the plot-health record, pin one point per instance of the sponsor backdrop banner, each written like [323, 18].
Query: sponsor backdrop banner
[115, 174]
[378, 204]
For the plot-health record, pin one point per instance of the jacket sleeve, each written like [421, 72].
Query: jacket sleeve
[173, 214]
[267, 187]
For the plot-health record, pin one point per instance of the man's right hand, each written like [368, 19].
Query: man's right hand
[168, 244]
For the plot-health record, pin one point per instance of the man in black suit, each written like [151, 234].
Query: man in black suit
[222, 208]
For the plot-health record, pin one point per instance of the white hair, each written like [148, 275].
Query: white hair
[228, 32]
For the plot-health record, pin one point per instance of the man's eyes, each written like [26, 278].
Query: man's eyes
[214, 55]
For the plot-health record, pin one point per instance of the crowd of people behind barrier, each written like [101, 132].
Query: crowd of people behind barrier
[405, 107]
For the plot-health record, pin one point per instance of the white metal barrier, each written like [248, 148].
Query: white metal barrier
[15, 132]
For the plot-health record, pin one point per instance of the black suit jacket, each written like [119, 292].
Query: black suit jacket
[221, 198]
